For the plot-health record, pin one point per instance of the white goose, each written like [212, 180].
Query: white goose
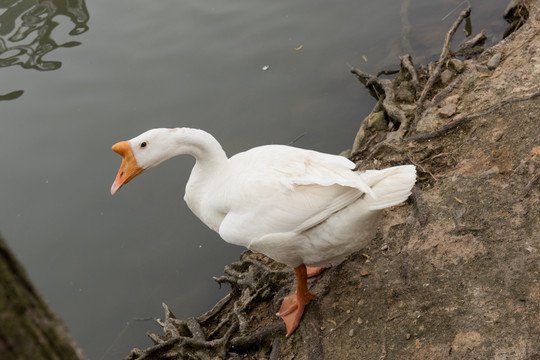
[299, 207]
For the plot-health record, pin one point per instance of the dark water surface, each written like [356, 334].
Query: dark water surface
[78, 76]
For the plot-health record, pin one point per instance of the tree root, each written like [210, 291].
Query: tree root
[384, 89]
[459, 120]
[225, 328]
[424, 82]
[530, 185]
[224, 332]
[406, 63]
[445, 54]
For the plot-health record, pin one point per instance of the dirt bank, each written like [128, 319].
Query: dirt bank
[454, 273]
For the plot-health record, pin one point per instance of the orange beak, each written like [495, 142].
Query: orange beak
[129, 167]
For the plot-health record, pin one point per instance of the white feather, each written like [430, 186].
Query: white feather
[294, 205]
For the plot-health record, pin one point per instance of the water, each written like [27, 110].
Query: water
[105, 71]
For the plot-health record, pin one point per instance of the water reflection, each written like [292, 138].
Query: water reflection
[26, 27]
[12, 95]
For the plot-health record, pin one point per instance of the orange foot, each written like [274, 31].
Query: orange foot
[291, 311]
[292, 308]
[314, 271]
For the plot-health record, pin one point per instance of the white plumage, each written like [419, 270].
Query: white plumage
[296, 206]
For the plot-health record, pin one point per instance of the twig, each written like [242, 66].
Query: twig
[154, 351]
[297, 138]
[361, 150]
[420, 205]
[311, 332]
[217, 308]
[255, 340]
[341, 323]
[530, 185]
[460, 229]
[445, 53]
[387, 72]
[276, 349]
[420, 166]
[211, 334]
[454, 9]
[458, 120]
[373, 151]
[384, 85]
[406, 62]
[444, 92]
[368, 80]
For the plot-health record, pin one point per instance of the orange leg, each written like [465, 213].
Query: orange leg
[293, 305]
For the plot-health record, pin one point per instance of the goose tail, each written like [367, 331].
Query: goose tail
[390, 186]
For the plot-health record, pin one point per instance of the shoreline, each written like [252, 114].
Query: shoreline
[453, 273]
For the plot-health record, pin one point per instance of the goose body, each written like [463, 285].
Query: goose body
[299, 207]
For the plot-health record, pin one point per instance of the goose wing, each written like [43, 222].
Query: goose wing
[278, 189]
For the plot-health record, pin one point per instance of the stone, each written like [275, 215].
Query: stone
[405, 92]
[491, 172]
[447, 110]
[457, 64]
[494, 61]
[482, 69]
[427, 123]
[409, 108]
[446, 76]
[497, 135]
[468, 85]
[451, 100]
[376, 121]
[472, 46]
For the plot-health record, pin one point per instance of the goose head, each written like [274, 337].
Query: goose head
[141, 153]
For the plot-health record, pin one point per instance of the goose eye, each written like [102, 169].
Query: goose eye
[143, 144]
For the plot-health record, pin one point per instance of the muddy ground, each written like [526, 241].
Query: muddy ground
[452, 274]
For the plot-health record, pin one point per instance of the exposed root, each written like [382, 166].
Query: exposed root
[530, 185]
[225, 328]
[385, 91]
[459, 120]
[445, 55]
[406, 63]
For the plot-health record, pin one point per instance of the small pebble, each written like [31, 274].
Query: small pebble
[384, 247]
[446, 76]
[351, 332]
[408, 336]
[451, 100]
[448, 110]
[494, 61]
[458, 65]
[482, 69]
[365, 273]
[491, 172]
[497, 135]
